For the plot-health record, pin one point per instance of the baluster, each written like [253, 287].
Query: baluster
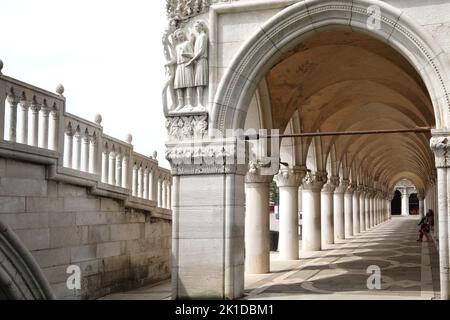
[24, 106]
[125, 172]
[68, 146]
[151, 188]
[45, 112]
[159, 192]
[93, 154]
[85, 152]
[77, 149]
[140, 182]
[12, 118]
[146, 184]
[112, 167]
[53, 129]
[118, 170]
[164, 194]
[105, 156]
[34, 125]
[135, 181]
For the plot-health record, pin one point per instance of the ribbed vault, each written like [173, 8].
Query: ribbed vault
[345, 81]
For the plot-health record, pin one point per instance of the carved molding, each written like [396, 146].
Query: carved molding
[206, 157]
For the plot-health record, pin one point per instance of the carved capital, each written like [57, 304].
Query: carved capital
[441, 146]
[290, 177]
[254, 175]
[351, 188]
[331, 185]
[314, 181]
[187, 126]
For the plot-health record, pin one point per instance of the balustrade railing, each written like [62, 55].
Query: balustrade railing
[33, 120]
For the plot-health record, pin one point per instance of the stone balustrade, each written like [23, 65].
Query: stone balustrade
[34, 126]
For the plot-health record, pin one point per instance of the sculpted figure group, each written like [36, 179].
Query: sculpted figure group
[186, 68]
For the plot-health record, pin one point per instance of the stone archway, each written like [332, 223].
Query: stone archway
[214, 227]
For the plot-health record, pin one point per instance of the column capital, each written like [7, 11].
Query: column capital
[361, 189]
[314, 181]
[290, 177]
[331, 185]
[350, 188]
[254, 175]
[440, 144]
[342, 186]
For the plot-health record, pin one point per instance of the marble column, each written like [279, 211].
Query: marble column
[355, 211]
[257, 223]
[372, 210]
[440, 144]
[367, 208]
[405, 202]
[339, 218]
[288, 181]
[327, 205]
[362, 208]
[348, 210]
[312, 186]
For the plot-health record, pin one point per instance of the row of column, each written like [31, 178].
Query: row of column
[35, 125]
[332, 211]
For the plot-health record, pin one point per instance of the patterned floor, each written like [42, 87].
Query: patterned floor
[341, 270]
[409, 270]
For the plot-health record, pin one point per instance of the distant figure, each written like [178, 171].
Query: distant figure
[424, 225]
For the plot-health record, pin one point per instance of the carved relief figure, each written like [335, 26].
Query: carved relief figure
[170, 55]
[201, 61]
[184, 74]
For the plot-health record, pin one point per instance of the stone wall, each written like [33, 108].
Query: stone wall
[62, 224]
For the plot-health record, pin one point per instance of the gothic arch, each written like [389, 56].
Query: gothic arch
[20, 276]
[303, 19]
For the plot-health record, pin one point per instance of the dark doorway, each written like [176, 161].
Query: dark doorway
[413, 204]
[396, 205]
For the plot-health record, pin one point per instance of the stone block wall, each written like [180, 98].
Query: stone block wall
[117, 248]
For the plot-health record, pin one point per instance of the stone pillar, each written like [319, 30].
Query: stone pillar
[367, 208]
[362, 208]
[208, 219]
[372, 210]
[339, 218]
[355, 211]
[288, 181]
[257, 222]
[112, 168]
[440, 144]
[68, 147]
[53, 130]
[312, 186]
[348, 210]
[405, 202]
[93, 155]
[327, 205]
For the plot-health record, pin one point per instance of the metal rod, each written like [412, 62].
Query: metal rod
[340, 133]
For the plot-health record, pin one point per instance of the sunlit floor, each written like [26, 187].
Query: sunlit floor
[409, 270]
